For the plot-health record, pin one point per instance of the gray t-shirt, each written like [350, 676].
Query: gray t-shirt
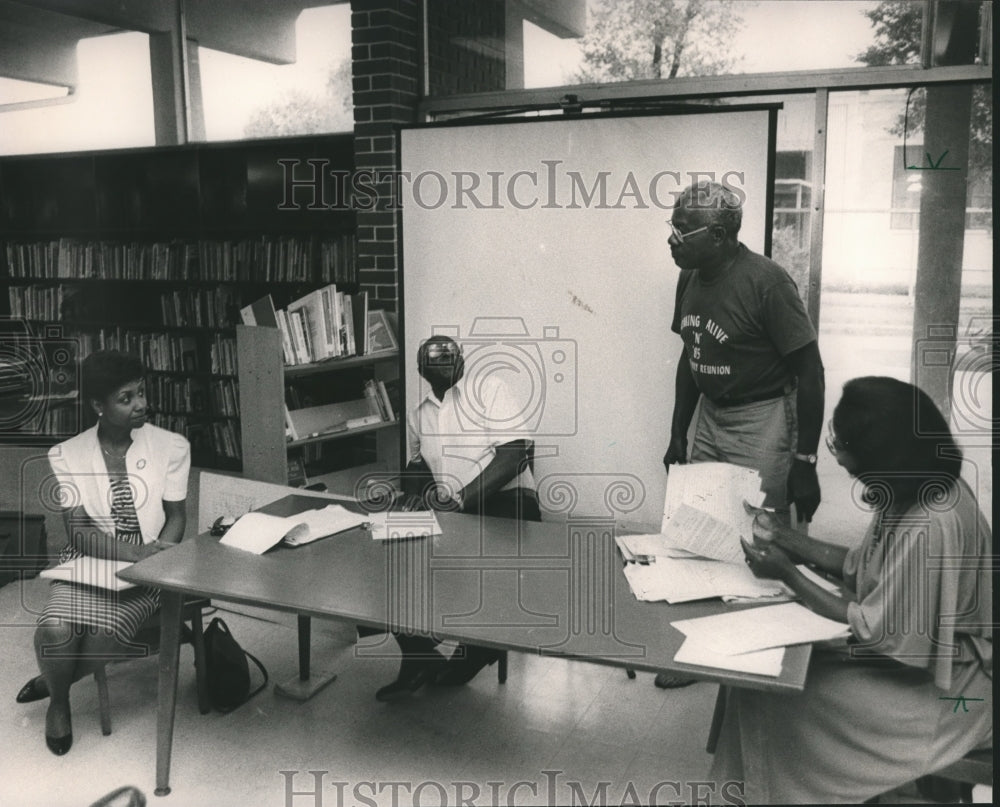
[738, 328]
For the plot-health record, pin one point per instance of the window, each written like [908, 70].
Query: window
[113, 107]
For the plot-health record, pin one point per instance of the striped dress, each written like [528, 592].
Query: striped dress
[119, 613]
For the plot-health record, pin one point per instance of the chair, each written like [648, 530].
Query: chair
[975, 768]
[149, 634]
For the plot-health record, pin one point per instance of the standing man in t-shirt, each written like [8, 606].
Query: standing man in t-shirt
[750, 355]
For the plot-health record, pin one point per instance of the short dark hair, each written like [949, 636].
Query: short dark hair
[105, 371]
[897, 436]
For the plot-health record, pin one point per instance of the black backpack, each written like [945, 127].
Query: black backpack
[227, 671]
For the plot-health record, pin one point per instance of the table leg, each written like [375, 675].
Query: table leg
[170, 642]
[305, 641]
[306, 684]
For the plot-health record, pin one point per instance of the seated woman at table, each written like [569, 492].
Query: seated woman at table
[917, 597]
[122, 484]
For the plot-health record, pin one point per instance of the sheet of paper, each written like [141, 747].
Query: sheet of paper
[651, 546]
[256, 532]
[703, 534]
[760, 662]
[401, 524]
[90, 571]
[820, 581]
[320, 523]
[717, 488]
[761, 628]
[683, 580]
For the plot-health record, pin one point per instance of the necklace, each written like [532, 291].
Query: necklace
[114, 456]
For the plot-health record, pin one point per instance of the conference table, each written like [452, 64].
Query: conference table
[551, 588]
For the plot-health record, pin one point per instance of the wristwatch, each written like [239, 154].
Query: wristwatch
[810, 458]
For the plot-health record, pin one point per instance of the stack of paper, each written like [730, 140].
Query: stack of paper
[703, 510]
[88, 571]
[760, 662]
[753, 640]
[685, 579]
[646, 548]
[760, 628]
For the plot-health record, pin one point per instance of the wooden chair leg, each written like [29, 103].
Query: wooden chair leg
[103, 699]
[502, 667]
[200, 669]
[717, 716]
[630, 673]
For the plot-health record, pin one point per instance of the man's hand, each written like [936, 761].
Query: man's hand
[676, 451]
[803, 489]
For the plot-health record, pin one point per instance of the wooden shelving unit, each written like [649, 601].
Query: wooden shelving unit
[338, 458]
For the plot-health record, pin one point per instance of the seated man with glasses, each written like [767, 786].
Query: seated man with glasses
[749, 357]
[460, 461]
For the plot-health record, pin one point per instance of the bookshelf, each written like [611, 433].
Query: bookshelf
[331, 391]
[154, 251]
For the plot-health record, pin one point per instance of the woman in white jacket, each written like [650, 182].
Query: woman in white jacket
[122, 486]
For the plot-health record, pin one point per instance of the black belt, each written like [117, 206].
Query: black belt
[725, 403]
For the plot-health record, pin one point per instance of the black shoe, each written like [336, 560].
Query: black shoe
[413, 674]
[460, 671]
[59, 745]
[35, 690]
[670, 681]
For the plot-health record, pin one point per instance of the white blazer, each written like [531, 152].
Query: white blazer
[158, 463]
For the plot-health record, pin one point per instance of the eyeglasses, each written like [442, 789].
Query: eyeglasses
[441, 353]
[834, 443]
[681, 236]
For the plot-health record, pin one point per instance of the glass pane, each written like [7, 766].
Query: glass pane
[871, 246]
[792, 219]
[112, 108]
[246, 98]
[480, 45]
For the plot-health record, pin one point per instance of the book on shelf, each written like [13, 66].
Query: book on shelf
[328, 298]
[383, 394]
[359, 311]
[348, 311]
[297, 472]
[375, 405]
[381, 333]
[297, 330]
[314, 322]
[260, 312]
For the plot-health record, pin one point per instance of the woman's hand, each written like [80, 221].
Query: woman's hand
[152, 548]
[767, 559]
[767, 526]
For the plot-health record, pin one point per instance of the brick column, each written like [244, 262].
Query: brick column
[385, 35]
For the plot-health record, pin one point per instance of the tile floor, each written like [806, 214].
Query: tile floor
[555, 733]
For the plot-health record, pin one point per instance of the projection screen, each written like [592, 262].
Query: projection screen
[540, 245]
